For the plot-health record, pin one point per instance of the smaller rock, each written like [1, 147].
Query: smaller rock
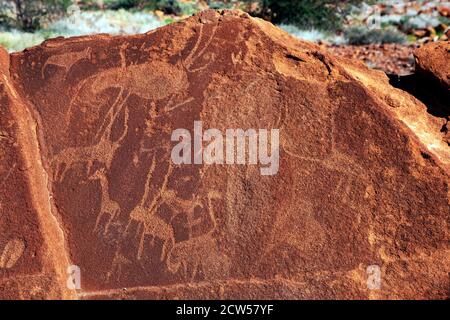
[432, 60]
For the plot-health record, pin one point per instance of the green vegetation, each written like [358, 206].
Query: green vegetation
[15, 41]
[318, 14]
[167, 6]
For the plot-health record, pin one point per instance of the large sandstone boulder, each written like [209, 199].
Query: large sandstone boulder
[361, 193]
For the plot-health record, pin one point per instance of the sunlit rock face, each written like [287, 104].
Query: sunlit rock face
[359, 207]
[433, 59]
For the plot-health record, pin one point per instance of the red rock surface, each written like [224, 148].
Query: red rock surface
[363, 176]
[433, 59]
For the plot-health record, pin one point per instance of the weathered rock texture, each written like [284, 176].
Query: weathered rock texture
[433, 59]
[87, 177]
